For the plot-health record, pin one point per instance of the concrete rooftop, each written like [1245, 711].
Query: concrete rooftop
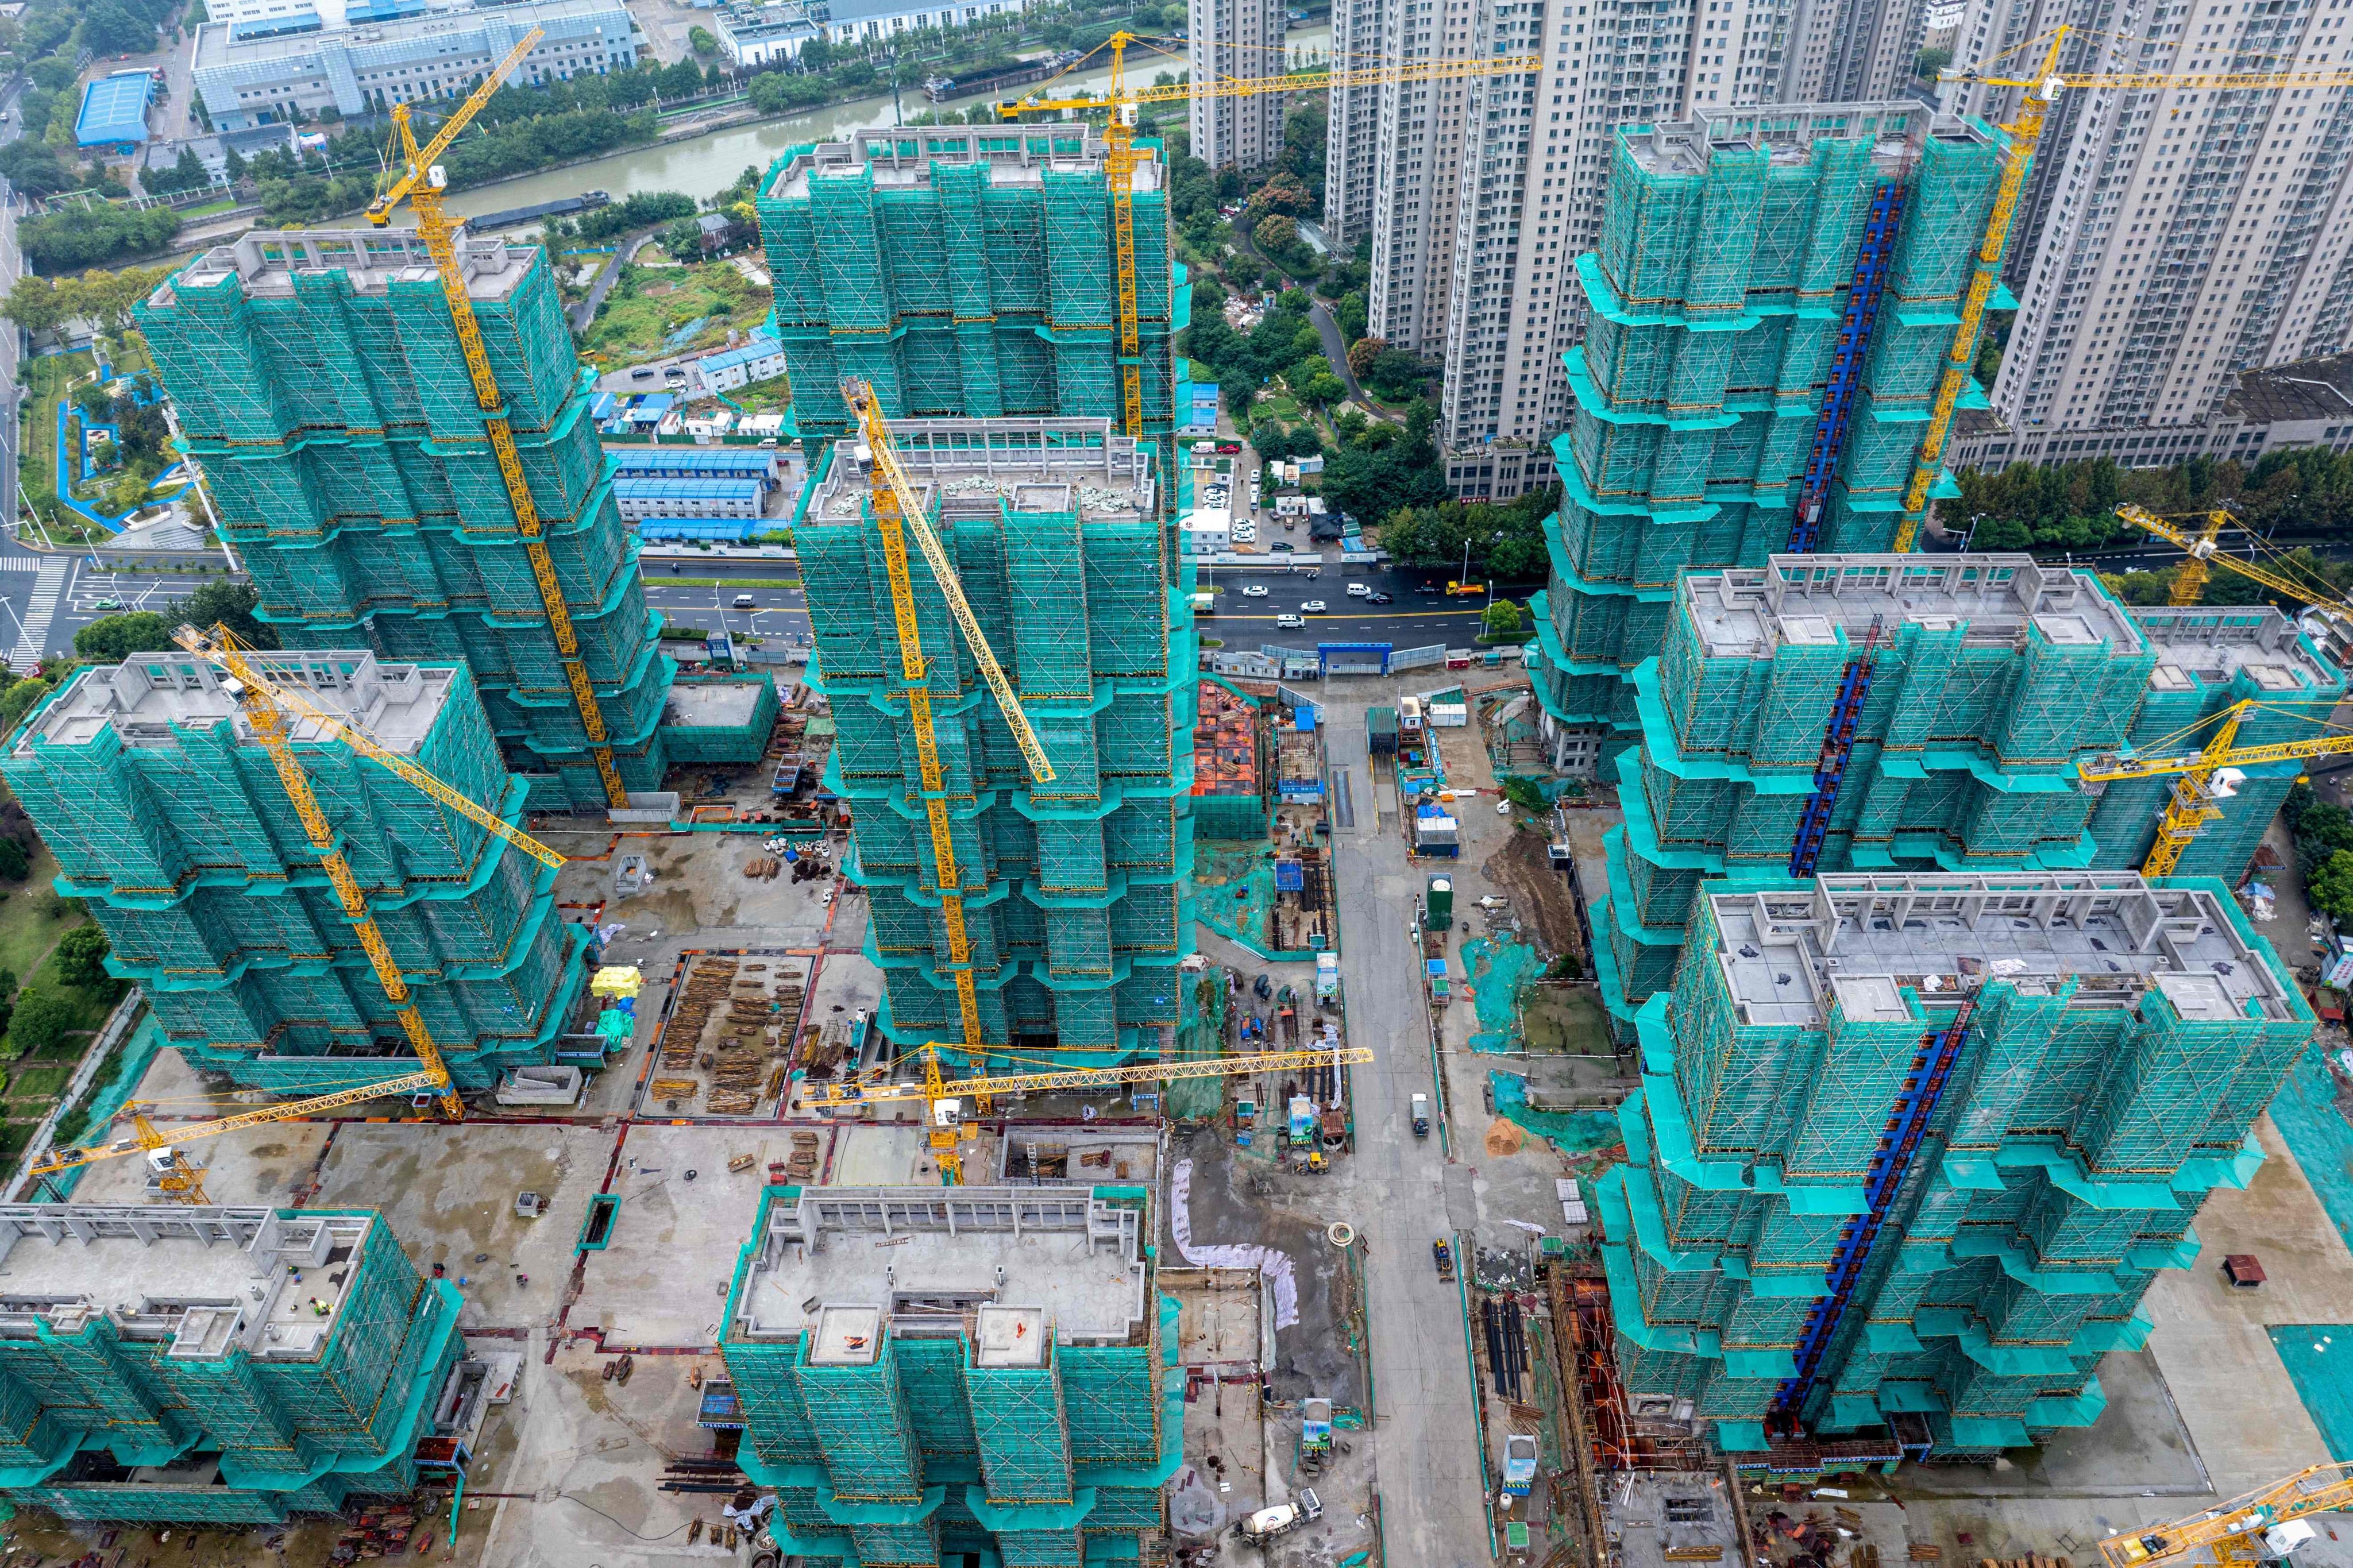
[1861, 937]
[1003, 148]
[2208, 644]
[842, 1260]
[141, 699]
[207, 1278]
[1788, 132]
[371, 259]
[972, 468]
[1804, 600]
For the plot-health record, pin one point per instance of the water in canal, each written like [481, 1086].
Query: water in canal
[703, 166]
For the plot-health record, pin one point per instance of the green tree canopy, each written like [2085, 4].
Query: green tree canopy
[82, 959]
[116, 637]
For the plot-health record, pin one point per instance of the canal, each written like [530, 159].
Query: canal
[704, 165]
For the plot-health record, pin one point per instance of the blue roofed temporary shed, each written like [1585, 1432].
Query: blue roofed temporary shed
[740, 462]
[114, 110]
[723, 529]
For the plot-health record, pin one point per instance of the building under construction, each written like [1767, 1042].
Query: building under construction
[167, 817]
[319, 382]
[1858, 712]
[1076, 893]
[215, 1365]
[1774, 296]
[1910, 1146]
[969, 271]
[933, 1375]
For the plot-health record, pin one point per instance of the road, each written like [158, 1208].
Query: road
[585, 313]
[1402, 1193]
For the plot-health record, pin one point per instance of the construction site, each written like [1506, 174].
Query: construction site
[1786, 1077]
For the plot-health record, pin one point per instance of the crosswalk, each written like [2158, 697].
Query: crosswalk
[36, 611]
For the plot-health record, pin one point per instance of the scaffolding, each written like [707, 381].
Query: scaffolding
[1769, 304]
[965, 274]
[1047, 1387]
[214, 1364]
[2032, 1078]
[1076, 892]
[320, 382]
[171, 821]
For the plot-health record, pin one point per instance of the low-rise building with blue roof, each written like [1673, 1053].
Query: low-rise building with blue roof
[114, 110]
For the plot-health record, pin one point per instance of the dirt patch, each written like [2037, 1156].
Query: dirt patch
[1568, 1019]
[1540, 896]
[1503, 1140]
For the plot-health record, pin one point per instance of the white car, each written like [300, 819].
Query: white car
[1253, 590]
[1291, 623]
[1312, 608]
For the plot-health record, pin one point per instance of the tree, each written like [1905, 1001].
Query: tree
[1928, 62]
[43, 1019]
[19, 699]
[110, 27]
[232, 162]
[35, 304]
[108, 297]
[82, 959]
[1324, 389]
[1503, 619]
[2330, 889]
[1362, 351]
[117, 637]
[90, 236]
[702, 40]
[1351, 317]
[227, 603]
[15, 863]
[36, 168]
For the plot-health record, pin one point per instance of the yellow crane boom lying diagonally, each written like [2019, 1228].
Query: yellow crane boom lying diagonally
[2042, 90]
[148, 1136]
[1120, 156]
[221, 648]
[421, 186]
[1090, 1077]
[2322, 1488]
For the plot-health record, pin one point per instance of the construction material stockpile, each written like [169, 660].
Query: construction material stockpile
[728, 1039]
[1718, 297]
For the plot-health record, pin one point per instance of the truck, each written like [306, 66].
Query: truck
[1466, 590]
[1314, 1427]
[1302, 1118]
[1420, 1109]
[1282, 1519]
[1205, 604]
[1436, 831]
[1327, 978]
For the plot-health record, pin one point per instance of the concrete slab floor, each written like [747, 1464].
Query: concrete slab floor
[683, 1217]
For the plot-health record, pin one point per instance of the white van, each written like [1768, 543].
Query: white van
[746, 602]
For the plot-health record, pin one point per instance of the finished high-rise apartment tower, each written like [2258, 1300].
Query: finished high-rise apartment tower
[1478, 192]
[1236, 40]
[2169, 238]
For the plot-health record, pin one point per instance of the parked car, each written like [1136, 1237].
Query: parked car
[1312, 608]
[1228, 448]
[1282, 544]
[1292, 623]
[643, 372]
[1253, 590]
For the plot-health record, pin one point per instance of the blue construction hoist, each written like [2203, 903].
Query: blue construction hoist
[1846, 365]
[1907, 1125]
[1838, 746]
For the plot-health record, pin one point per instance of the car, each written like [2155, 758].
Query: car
[1444, 1255]
[746, 602]
[1360, 590]
[1292, 623]
[1283, 544]
[106, 603]
[1312, 608]
[1230, 448]
[1381, 598]
[1253, 590]
[1427, 588]
[643, 372]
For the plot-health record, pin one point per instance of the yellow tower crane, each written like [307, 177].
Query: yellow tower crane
[941, 1096]
[897, 512]
[145, 1137]
[2203, 552]
[1120, 155]
[2257, 1528]
[2042, 90]
[2191, 804]
[424, 187]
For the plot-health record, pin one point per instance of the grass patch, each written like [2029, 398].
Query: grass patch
[1281, 406]
[33, 917]
[42, 1084]
[772, 395]
[48, 378]
[649, 303]
[207, 209]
